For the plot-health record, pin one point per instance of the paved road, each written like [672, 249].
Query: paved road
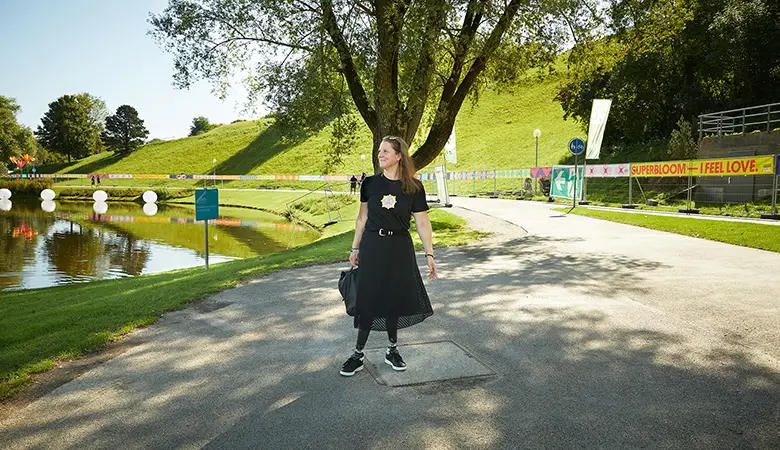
[588, 334]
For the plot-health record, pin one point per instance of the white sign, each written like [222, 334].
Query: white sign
[450, 155]
[598, 121]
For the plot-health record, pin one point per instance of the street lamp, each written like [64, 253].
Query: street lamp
[537, 135]
[362, 166]
[214, 164]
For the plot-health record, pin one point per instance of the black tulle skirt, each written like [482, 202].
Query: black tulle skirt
[390, 282]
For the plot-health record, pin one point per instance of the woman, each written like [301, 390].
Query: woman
[391, 294]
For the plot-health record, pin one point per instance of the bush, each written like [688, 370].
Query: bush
[24, 188]
[165, 194]
[129, 194]
[124, 194]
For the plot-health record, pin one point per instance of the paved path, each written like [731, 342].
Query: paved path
[597, 335]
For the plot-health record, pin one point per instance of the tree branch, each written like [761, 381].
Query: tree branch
[449, 106]
[389, 19]
[348, 66]
[421, 80]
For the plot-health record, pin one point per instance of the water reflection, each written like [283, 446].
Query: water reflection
[81, 242]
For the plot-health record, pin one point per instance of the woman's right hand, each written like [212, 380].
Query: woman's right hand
[353, 258]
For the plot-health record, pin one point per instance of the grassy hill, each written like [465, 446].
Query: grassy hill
[497, 133]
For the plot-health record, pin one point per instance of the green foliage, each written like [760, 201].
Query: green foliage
[668, 59]
[15, 139]
[125, 131]
[201, 125]
[681, 143]
[73, 125]
[128, 194]
[343, 140]
[26, 188]
[86, 193]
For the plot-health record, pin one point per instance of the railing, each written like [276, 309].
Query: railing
[743, 120]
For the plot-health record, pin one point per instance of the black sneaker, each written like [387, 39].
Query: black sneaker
[352, 365]
[393, 358]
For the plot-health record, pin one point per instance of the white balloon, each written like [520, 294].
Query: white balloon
[100, 196]
[150, 209]
[5, 194]
[48, 206]
[100, 207]
[150, 196]
[48, 195]
[5, 205]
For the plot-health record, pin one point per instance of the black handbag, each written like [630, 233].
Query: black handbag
[348, 285]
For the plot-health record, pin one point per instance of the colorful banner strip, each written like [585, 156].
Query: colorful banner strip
[607, 170]
[725, 167]
[228, 222]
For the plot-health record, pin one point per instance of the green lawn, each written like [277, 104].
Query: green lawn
[754, 235]
[41, 326]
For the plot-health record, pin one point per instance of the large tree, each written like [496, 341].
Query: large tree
[15, 139]
[73, 125]
[125, 131]
[406, 67]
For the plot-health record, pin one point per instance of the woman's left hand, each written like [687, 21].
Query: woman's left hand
[432, 275]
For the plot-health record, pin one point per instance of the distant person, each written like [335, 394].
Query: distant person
[362, 178]
[98, 180]
[353, 184]
[93, 180]
[390, 292]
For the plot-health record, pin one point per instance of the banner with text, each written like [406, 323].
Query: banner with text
[727, 167]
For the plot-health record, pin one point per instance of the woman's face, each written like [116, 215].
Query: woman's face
[387, 156]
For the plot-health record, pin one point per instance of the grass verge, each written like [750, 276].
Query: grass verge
[41, 327]
[754, 235]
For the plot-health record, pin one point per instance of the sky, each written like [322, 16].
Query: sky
[49, 48]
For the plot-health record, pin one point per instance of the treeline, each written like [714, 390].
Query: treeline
[74, 127]
[667, 60]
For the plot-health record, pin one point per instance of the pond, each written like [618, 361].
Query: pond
[75, 244]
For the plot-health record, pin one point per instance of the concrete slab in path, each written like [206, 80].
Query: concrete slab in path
[432, 362]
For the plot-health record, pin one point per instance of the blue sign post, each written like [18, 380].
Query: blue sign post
[576, 147]
[206, 208]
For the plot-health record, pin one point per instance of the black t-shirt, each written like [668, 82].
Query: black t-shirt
[388, 206]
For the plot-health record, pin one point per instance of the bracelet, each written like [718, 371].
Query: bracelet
[354, 250]
[431, 255]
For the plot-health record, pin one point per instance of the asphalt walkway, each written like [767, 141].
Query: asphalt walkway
[556, 332]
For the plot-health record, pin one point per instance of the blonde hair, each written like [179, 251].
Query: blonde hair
[406, 168]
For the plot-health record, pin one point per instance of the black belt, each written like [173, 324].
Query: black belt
[382, 232]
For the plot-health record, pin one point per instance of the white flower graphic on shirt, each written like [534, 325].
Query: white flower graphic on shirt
[388, 201]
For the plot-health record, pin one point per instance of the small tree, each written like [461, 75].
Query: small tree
[73, 125]
[200, 125]
[681, 143]
[15, 139]
[125, 131]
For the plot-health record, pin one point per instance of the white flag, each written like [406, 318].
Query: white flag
[598, 121]
[450, 155]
